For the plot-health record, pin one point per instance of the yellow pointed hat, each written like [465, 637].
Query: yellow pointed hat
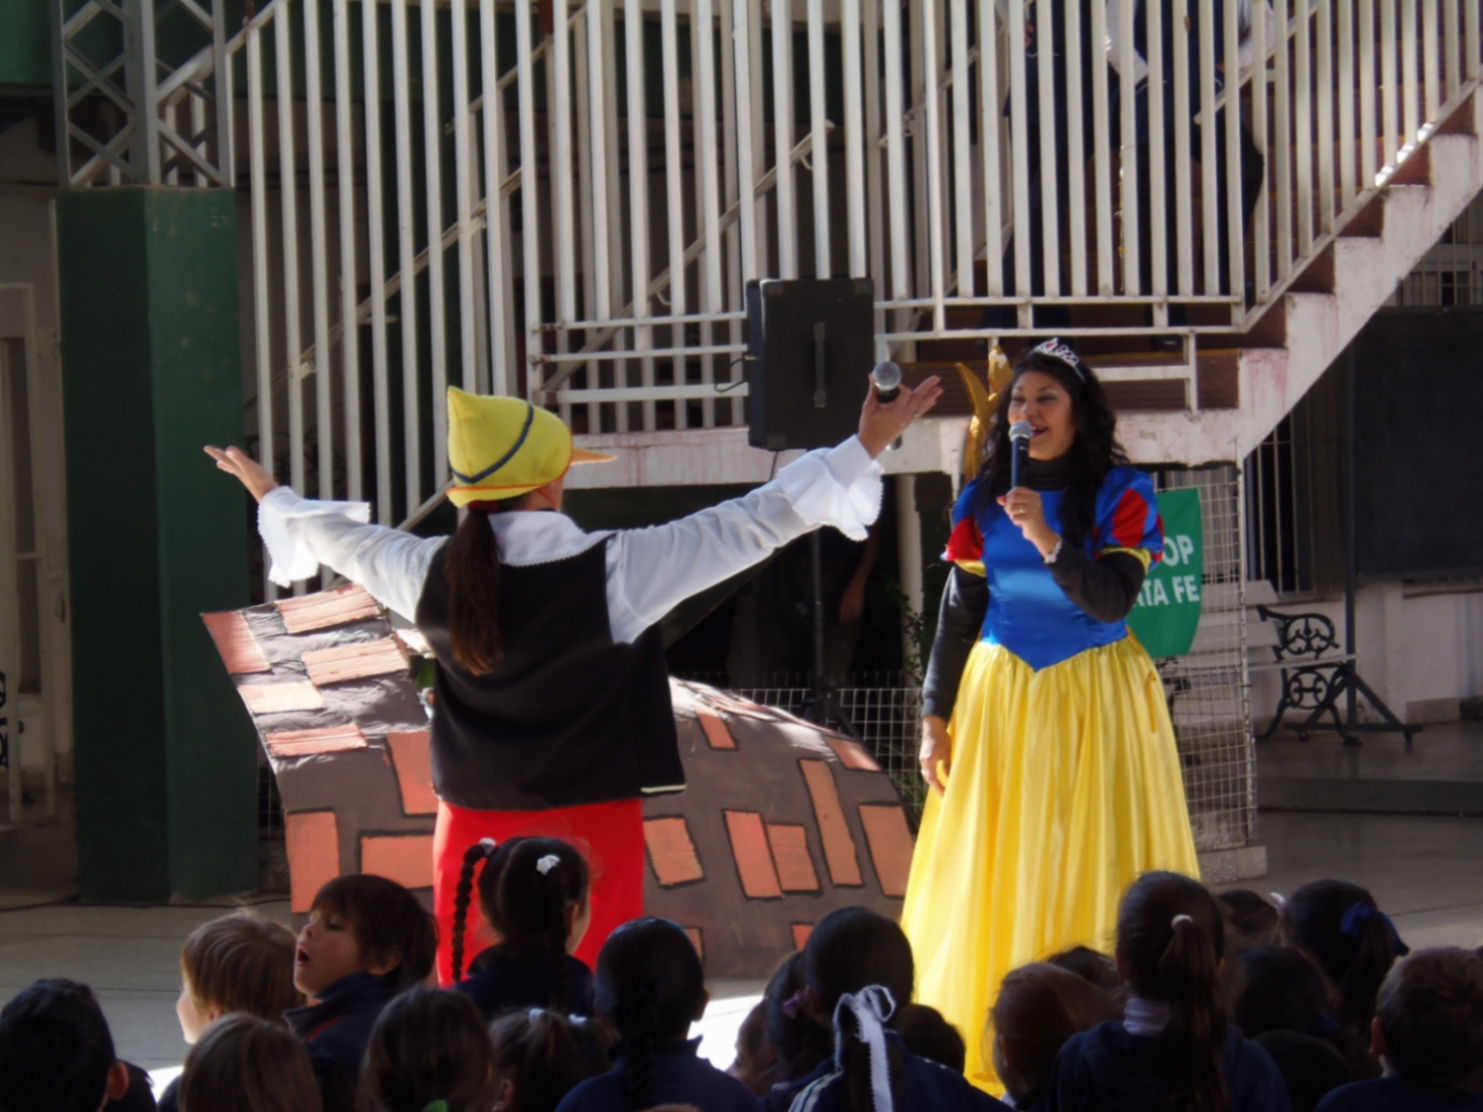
[503, 447]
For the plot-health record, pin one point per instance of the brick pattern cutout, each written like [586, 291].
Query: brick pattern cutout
[278, 698]
[834, 831]
[355, 662]
[801, 931]
[790, 854]
[343, 605]
[313, 843]
[406, 859]
[312, 743]
[239, 649]
[715, 730]
[889, 838]
[411, 756]
[759, 879]
[852, 755]
[697, 941]
[672, 851]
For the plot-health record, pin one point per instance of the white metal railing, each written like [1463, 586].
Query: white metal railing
[594, 220]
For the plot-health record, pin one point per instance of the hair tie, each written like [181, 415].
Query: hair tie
[1358, 914]
[872, 1005]
[1057, 350]
[793, 1004]
[535, 1014]
[547, 863]
[487, 845]
[435, 1106]
[1175, 922]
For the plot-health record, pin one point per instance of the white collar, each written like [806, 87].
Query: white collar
[527, 538]
[1146, 1018]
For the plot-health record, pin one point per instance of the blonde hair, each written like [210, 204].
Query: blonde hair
[247, 1064]
[242, 963]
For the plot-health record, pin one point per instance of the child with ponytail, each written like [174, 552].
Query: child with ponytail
[1174, 1049]
[428, 1050]
[541, 1055]
[534, 894]
[859, 972]
[650, 989]
[1339, 927]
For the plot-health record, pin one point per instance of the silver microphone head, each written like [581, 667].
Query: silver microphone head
[1021, 430]
[886, 375]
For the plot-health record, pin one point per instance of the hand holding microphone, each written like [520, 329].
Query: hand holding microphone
[891, 406]
[1022, 504]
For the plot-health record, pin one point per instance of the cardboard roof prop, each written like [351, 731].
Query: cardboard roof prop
[782, 821]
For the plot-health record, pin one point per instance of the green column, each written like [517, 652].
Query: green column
[165, 754]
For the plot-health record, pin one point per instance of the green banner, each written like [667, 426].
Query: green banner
[1168, 608]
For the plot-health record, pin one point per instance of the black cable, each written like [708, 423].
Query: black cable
[774, 469]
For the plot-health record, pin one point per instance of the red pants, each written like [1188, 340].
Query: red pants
[609, 835]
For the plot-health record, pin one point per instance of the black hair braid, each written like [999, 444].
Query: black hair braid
[462, 896]
[556, 944]
[1095, 451]
[639, 1039]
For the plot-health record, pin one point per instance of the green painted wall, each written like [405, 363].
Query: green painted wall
[25, 43]
[165, 753]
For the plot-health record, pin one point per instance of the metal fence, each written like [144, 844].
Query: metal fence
[566, 201]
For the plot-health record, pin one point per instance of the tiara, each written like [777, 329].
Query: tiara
[1057, 350]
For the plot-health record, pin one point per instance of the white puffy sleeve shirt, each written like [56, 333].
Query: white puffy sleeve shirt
[649, 571]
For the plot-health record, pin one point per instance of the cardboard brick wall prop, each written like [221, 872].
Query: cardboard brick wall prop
[782, 821]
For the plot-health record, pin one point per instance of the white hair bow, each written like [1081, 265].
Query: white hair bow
[872, 1006]
[547, 863]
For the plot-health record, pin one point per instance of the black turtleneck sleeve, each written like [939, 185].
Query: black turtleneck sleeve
[1105, 587]
[965, 601]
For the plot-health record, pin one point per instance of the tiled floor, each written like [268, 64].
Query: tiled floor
[1423, 868]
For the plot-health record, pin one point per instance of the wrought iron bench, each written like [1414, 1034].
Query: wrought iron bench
[1315, 672]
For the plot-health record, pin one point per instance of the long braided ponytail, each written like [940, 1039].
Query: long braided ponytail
[463, 896]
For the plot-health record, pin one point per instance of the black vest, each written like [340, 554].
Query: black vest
[567, 717]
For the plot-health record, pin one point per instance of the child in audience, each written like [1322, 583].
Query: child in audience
[1310, 1067]
[56, 1053]
[428, 1046]
[246, 1064]
[1099, 970]
[650, 988]
[1250, 916]
[1039, 1007]
[534, 894]
[780, 1041]
[540, 1056]
[925, 1033]
[238, 963]
[1174, 1048]
[1338, 925]
[1428, 1032]
[1282, 991]
[859, 969]
[366, 940]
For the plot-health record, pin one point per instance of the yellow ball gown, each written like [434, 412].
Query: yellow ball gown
[1065, 781]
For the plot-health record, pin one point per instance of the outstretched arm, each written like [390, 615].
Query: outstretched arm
[651, 570]
[301, 534]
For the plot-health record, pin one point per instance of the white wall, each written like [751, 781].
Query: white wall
[1422, 653]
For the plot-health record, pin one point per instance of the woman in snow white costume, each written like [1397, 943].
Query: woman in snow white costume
[552, 713]
[1046, 739]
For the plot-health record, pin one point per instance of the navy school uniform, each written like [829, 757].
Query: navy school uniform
[680, 1077]
[503, 978]
[1395, 1094]
[1109, 1070]
[338, 1028]
[923, 1086]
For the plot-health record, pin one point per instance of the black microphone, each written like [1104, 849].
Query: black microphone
[1019, 452]
[887, 378]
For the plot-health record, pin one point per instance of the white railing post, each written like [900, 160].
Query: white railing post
[376, 265]
[818, 129]
[288, 196]
[988, 138]
[782, 116]
[406, 254]
[349, 322]
[463, 174]
[318, 254]
[1261, 215]
[854, 163]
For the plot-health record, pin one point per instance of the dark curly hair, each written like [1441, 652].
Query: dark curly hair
[1095, 451]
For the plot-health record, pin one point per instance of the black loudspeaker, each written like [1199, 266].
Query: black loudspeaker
[810, 347]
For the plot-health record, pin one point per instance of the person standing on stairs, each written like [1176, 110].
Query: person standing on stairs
[552, 714]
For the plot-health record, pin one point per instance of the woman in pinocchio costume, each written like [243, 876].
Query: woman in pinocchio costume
[1046, 738]
[552, 713]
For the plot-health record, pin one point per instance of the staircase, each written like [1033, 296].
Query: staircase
[1223, 403]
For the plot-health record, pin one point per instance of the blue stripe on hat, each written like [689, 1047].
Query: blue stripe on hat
[470, 480]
